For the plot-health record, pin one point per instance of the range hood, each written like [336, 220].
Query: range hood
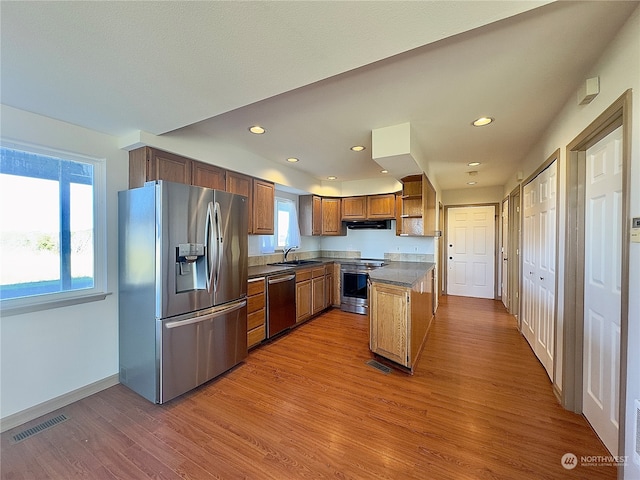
[369, 224]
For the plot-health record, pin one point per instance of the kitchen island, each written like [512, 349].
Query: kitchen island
[401, 311]
[401, 305]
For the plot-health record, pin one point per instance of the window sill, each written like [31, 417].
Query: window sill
[63, 302]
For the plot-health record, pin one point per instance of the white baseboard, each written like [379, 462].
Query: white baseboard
[17, 419]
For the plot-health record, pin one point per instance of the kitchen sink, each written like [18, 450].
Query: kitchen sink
[294, 263]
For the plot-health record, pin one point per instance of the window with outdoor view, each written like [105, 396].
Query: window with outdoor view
[47, 225]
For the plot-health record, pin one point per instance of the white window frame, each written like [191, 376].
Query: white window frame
[16, 306]
[276, 229]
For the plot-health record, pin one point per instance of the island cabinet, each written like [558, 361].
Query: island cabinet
[256, 331]
[400, 318]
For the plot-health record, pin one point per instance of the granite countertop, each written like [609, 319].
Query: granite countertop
[404, 274]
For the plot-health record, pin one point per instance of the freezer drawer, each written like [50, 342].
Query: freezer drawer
[196, 349]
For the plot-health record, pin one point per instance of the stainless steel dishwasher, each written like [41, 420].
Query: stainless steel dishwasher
[281, 303]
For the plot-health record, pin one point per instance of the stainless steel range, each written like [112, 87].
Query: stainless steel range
[354, 278]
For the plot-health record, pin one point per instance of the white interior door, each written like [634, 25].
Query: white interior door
[602, 286]
[539, 265]
[505, 253]
[471, 251]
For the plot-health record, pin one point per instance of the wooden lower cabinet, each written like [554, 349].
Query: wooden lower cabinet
[312, 291]
[256, 313]
[328, 284]
[303, 295]
[400, 318]
[318, 290]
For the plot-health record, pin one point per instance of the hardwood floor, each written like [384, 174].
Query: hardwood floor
[479, 406]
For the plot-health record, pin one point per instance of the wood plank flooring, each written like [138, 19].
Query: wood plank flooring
[479, 406]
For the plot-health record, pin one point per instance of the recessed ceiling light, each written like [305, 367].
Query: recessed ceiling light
[473, 164]
[384, 171]
[358, 148]
[292, 160]
[471, 183]
[482, 121]
[257, 129]
[331, 177]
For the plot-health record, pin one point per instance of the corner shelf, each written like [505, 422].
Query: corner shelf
[417, 207]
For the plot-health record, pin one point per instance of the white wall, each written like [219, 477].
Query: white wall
[472, 195]
[619, 70]
[375, 243]
[50, 353]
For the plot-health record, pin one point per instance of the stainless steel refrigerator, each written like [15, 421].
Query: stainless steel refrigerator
[182, 287]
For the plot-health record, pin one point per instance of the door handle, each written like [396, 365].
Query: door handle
[216, 313]
[281, 279]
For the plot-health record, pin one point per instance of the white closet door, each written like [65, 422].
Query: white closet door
[539, 261]
[602, 287]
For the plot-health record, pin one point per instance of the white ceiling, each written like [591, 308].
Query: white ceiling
[318, 75]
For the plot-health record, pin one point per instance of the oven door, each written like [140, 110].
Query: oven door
[354, 296]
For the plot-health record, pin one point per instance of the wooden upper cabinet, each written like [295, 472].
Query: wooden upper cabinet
[243, 185]
[147, 164]
[332, 217]
[354, 208]
[381, 207]
[210, 176]
[263, 207]
[310, 215]
[417, 215]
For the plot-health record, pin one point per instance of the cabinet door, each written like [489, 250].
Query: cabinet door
[209, 176]
[303, 300]
[146, 164]
[354, 208]
[389, 316]
[316, 217]
[328, 296]
[318, 294]
[168, 166]
[242, 184]
[263, 207]
[331, 217]
[381, 207]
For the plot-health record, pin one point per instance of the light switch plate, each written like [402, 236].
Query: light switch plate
[635, 230]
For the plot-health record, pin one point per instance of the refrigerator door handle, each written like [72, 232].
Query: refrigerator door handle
[208, 248]
[218, 312]
[218, 219]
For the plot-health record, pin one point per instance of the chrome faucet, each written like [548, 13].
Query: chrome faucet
[286, 252]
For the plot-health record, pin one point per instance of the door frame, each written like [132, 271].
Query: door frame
[496, 233]
[515, 245]
[505, 285]
[441, 251]
[618, 114]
